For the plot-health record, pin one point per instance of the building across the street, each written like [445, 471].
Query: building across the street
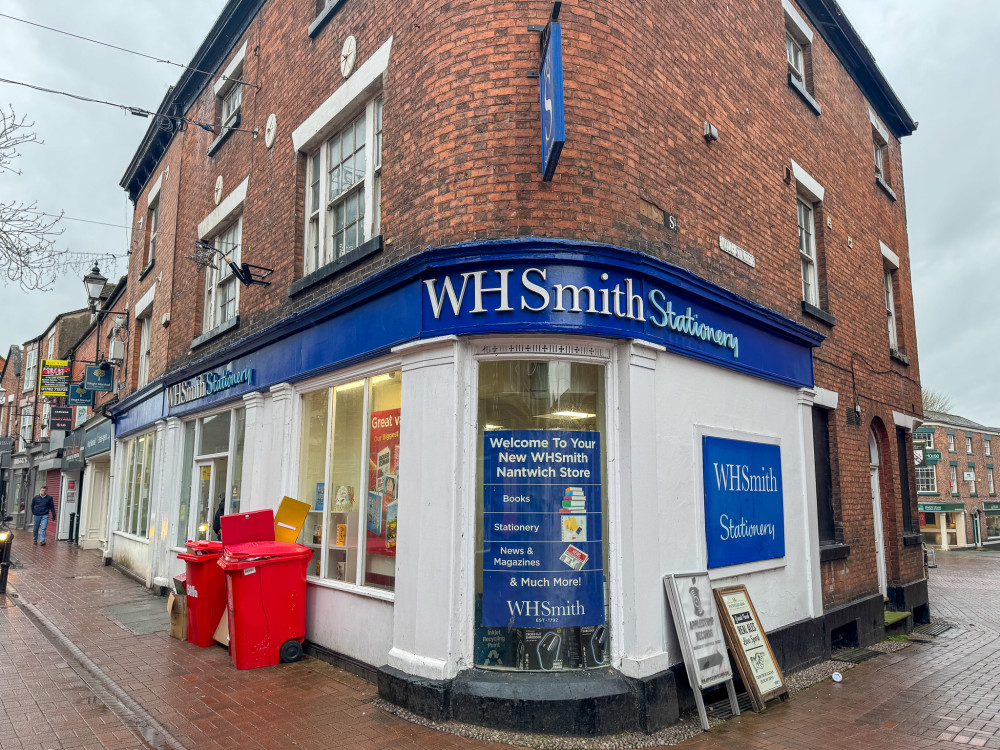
[532, 311]
[957, 482]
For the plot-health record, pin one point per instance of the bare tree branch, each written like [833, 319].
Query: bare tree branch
[936, 401]
[28, 256]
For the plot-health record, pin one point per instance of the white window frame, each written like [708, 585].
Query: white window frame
[951, 443]
[926, 476]
[222, 280]
[806, 222]
[968, 445]
[51, 346]
[972, 482]
[953, 477]
[989, 481]
[796, 57]
[145, 346]
[46, 416]
[152, 224]
[24, 433]
[30, 370]
[989, 445]
[231, 103]
[928, 438]
[228, 87]
[879, 148]
[321, 206]
[890, 309]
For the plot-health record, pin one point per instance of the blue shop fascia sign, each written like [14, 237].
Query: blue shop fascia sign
[208, 384]
[512, 287]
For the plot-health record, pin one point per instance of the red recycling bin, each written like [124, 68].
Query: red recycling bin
[206, 590]
[266, 594]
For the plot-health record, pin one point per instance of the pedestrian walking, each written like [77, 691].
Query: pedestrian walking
[41, 508]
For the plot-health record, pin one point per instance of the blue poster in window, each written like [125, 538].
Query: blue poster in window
[542, 529]
[744, 510]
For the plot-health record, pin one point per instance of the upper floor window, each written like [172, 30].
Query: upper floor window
[796, 61]
[51, 350]
[926, 479]
[229, 89]
[30, 370]
[222, 288]
[879, 148]
[968, 444]
[951, 443]
[989, 480]
[989, 447]
[928, 438]
[152, 222]
[953, 479]
[27, 423]
[145, 345]
[344, 192]
[890, 310]
[807, 253]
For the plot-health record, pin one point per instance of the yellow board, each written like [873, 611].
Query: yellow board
[289, 519]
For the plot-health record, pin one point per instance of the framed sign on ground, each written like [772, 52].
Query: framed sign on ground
[748, 642]
[699, 632]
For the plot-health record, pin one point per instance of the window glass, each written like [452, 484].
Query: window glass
[345, 481]
[926, 479]
[137, 485]
[185, 500]
[953, 476]
[231, 102]
[236, 491]
[951, 443]
[807, 252]
[383, 480]
[542, 404]
[992, 527]
[968, 444]
[794, 53]
[214, 434]
[312, 470]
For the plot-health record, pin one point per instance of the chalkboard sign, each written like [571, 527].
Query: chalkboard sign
[748, 642]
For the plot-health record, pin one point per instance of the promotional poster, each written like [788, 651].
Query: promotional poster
[542, 532]
[383, 476]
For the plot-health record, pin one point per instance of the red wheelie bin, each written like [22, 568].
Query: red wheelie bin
[205, 589]
[266, 597]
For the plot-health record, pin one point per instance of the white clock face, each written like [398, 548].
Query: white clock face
[270, 130]
[218, 190]
[348, 55]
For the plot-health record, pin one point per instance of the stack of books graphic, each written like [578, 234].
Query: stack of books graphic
[574, 501]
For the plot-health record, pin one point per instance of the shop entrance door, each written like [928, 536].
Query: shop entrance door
[210, 494]
[877, 513]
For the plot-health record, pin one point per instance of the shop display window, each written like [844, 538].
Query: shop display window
[993, 527]
[212, 474]
[541, 520]
[137, 482]
[349, 474]
[937, 534]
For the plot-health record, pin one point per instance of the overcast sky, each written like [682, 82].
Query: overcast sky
[940, 64]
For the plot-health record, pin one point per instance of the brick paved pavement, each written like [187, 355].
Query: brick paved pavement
[939, 694]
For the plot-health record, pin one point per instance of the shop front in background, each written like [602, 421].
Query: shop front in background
[942, 525]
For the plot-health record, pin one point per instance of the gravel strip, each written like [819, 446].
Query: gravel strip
[816, 673]
[888, 647]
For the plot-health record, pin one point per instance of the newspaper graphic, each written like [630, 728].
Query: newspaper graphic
[574, 557]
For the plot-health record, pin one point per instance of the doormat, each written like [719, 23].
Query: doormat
[932, 628]
[854, 655]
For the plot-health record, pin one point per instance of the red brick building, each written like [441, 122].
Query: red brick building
[716, 274]
[958, 491]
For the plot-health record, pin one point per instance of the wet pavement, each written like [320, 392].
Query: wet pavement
[86, 662]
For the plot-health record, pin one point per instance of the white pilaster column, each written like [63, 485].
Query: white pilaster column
[810, 513]
[279, 474]
[435, 543]
[255, 444]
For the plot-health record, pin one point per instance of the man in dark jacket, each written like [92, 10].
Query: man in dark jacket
[41, 508]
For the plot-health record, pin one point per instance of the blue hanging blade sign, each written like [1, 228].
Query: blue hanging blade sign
[80, 396]
[550, 84]
[95, 379]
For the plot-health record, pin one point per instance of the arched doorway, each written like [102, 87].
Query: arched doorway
[874, 462]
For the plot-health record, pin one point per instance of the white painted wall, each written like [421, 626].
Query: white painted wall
[352, 624]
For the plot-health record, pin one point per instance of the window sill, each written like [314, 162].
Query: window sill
[973, 494]
[899, 356]
[145, 271]
[993, 494]
[372, 246]
[818, 313]
[830, 552]
[215, 332]
[885, 187]
[131, 537]
[956, 494]
[353, 588]
[806, 96]
[324, 16]
[912, 540]
[227, 130]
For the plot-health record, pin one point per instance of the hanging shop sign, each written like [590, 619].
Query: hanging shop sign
[206, 384]
[749, 644]
[98, 439]
[96, 378]
[20, 462]
[80, 396]
[744, 509]
[53, 382]
[61, 418]
[550, 86]
[73, 450]
[6, 444]
[692, 608]
[542, 529]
